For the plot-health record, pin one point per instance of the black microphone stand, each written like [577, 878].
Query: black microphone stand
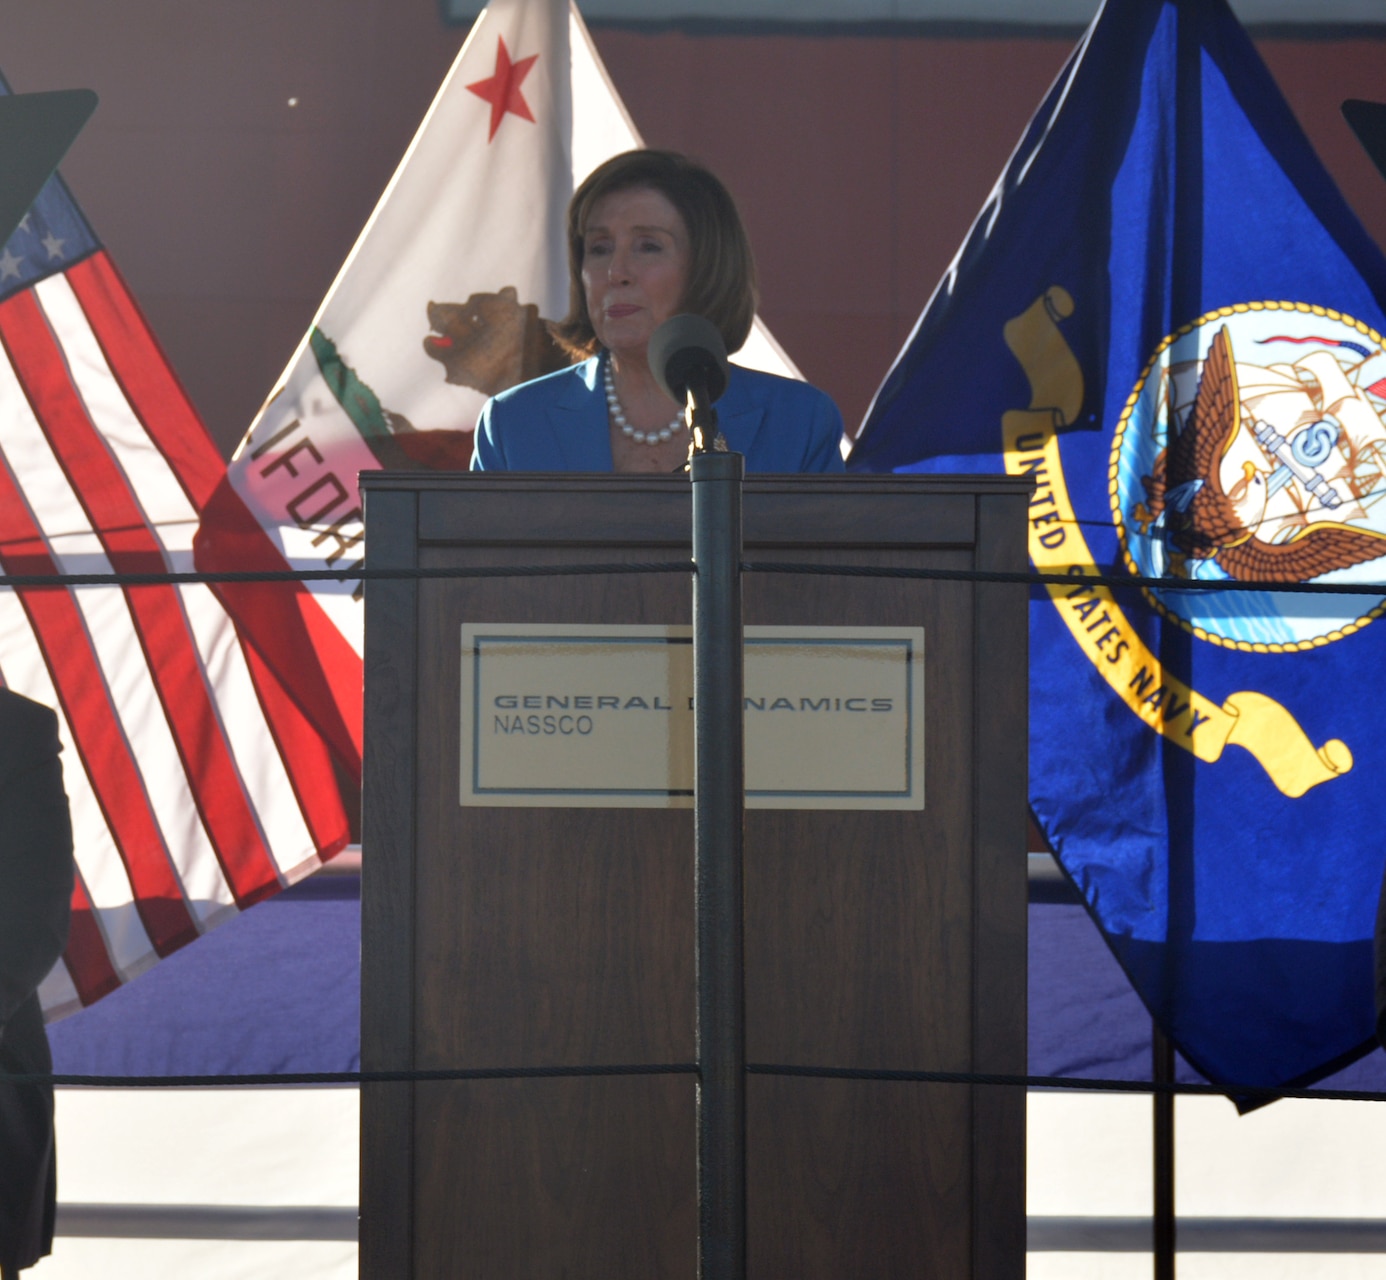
[719, 801]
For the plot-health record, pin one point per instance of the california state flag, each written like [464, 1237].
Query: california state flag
[441, 303]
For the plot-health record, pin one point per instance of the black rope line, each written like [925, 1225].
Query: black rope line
[338, 575]
[1062, 579]
[344, 576]
[1086, 1084]
[413, 1076]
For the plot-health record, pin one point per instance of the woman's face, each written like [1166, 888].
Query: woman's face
[634, 267]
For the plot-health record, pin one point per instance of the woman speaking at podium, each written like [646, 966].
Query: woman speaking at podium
[651, 235]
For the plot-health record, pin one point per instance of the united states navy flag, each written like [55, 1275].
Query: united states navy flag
[1168, 317]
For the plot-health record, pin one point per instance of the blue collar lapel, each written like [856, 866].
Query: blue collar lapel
[578, 418]
[738, 415]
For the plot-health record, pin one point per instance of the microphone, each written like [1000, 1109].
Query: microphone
[689, 361]
[687, 354]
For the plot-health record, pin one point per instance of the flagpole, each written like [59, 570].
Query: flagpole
[1163, 1217]
[1186, 303]
[719, 800]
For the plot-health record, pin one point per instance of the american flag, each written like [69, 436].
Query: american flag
[197, 785]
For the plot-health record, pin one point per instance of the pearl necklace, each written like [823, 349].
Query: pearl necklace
[618, 415]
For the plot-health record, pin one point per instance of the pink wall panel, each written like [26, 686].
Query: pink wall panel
[228, 211]
[859, 161]
[1316, 77]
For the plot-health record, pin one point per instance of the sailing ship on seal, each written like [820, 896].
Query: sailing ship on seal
[1272, 472]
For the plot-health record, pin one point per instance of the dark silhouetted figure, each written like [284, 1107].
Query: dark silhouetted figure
[35, 896]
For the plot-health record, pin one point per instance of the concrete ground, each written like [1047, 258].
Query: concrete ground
[258, 1184]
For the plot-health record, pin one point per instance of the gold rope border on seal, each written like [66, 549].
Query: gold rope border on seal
[1107, 639]
[1243, 646]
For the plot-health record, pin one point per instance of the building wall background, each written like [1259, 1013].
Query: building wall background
[240, 147]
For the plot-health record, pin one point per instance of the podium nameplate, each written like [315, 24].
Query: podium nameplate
[601, 717]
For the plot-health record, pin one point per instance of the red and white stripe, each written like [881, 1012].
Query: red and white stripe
[197, 785]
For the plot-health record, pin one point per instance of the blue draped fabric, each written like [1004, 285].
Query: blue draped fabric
[1167, 315]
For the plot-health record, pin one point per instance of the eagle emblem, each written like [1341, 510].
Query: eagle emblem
[1205, 521]
[1264, 463]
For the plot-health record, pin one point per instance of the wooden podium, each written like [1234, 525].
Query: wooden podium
[502, 937]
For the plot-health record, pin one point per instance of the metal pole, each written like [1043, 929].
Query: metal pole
[718, 803]
[1162, 1072]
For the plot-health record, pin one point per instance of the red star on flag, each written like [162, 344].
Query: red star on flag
[502, 90]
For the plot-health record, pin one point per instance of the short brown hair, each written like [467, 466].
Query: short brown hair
[721, 271]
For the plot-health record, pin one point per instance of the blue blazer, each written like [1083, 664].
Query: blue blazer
[559, 423]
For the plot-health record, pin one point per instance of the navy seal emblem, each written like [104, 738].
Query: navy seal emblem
[1254, 448]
